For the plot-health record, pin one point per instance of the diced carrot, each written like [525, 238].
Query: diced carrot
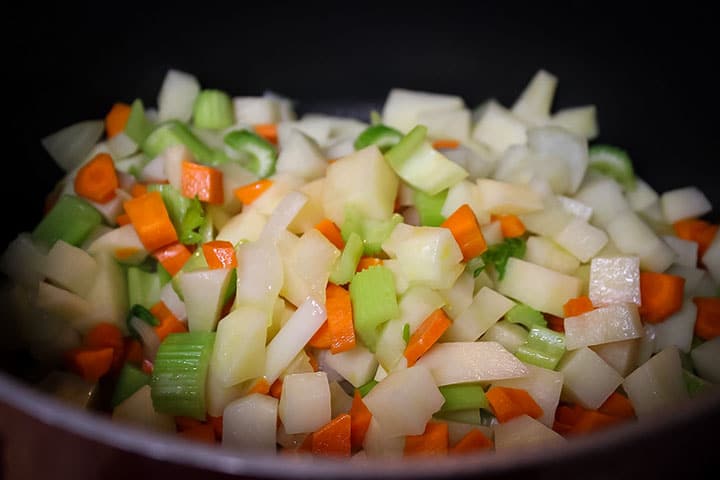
[201, 433]
[696, 230]
[203, 182]
[104, 335]
[568, 414]
[151, 220]
[97, 180]
[116, 119]
[276, 388]
[511, 225]
[429, 332]
[90, 363]
[554, 322]
[321, 339]
[360, 417]
[133, 351]
[561, 428]
[617, 405]
[661, 295]
[219, 254]
[433, 441]
[169, 323]
[339, 318]
[465, 229]
[331, 231]
[473, 441]
[577, 306]
[366, 262]
[592, 420]
[260, 386]
[306, 445]
[707, 320]
[217, 424]
[138, 190]
[268, 131]
[508, 403]
[333, 438]
[122, 219]
[172, 257]
[250, 192]
[183, 423]
[445, 144]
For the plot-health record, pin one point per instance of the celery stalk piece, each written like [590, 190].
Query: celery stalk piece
[463, 396]
[694, 384]
[213, 110]
[429, 207]
[372, 292]
[179, 374]
[613, 162]
[365, 389]
[543, 348]
[262, 154]
[143, 287]
[138, 127]
[373, 232]
[381, 135]
[138, 311]
[72, 219]
[174, 133]
[345, 267]
[130, 380]
[525, 315]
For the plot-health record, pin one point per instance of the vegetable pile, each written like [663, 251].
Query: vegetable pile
[439, 281]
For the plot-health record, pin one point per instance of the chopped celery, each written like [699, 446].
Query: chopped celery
[694, 384]
[365, 389]
[143, 287]
[179, 374]
[130, 380]
[613, 162]
[173, 133]
[397, 155]
[406, 333]
[475, 265]
[373, 232]
[497, 255]
[213, 110]
[345, 267]
[381, 135]
[163, 274]
[463, 396]
[526, 316]
[262, 155]
[138, 127]
[192, 222]
[543, 348]
[187, 214]
[375, 117]
[471, 416]
[174, 201]
[429, 207]
[372, 292]
[71, 219]
[143, 314]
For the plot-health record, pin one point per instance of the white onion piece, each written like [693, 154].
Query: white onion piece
[284, 213]
[148, 337]
[71, 145]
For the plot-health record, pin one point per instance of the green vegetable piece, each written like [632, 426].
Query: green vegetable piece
[405, 148]
[163, 274]
[196, 261]
[213, 110]
[349, 258]
[130, 380]
[192, 222]
[463, 396]
[526, 316]
[175, 203]
[429, 207]
[406, 333]
[179, 374]
[475, 265]
[365, 389]
[613, 162]
[381, 135]
[497, 255]
[694, 384]
[143, 314]
[143, 287]
[471, 416]
[71, 219]
[375, 117]
[173, 133]
[138, 127]
[543, 348]
[372, 292]
[373, 232]
[261, 154]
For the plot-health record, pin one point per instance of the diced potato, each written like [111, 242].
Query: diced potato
[543, 385]
[534, 103]
[379, 443]
[686, 202]
[357, 366]
[218, 396]
[603, 325]
[642, 196]
[305, 402]
[711, 259]
[301, 156]
[403, 107]
[545, 252]
[507, 198]
[622, 355]
[498, 128]
[549, 221]
[446, 123]
[693, 278]
[487, 307]
[677, 329]
[108, 294]
[340, 401]
[556, 145]
[23, 260]
[575, 207]
[70, 267]
[138, 410]
[614, 280]
[509, 335]
[581, 121]
[246, 225]
[686, 251]
[705, 358]
[606, 198]
[523, 432]
[312, 212]
[239, 351]
[67, 306]
[259, 275]
[307, 268]
[250, 423]
[460, 296]
[256, 110]
[203, 292]
[634, 237]
[465, 192]
[588, 379]
[581, 239]
[657, 384]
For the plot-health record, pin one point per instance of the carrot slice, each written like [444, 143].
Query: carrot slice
[360, 417]
[204, 433]
[511, 225]
[133, 351]
[366, 262]
[203, 182]
[465, 229]
[426, 335]
[696, 230]
[473, 441]
[276, 388]
[219, 254]
[138, 190]
[268, 131]
[577, 306]
[217, 424]
[183, 423]
[445, 144]
[250, 192]
[169, 323]
[661, 295]
[103, 335]
[707, 321]
[339, 318]
[151, 220]
[116, 119]
[331, 231]
[554, 322]
[617, 405]
[433, 441]
[260, 386]
[122, 219]
[333, 439]
[97, 180]
[321, 339]
[592, 420]
[90, 363]
[508, 403]
[172, 257]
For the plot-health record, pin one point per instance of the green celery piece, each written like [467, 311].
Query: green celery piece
[365, 389]
[406, 333]
[213, 110]
[613, 162]
[138, 127]
[173, 133]
[143, 287]
[463, 396]
[381, 135]
[375, 117]
[130, 380]
[163, 274]
[374, 302]
[686, 361]
[694, 384]
[179, 373]
[475, 265]
[373, 232]
[177, 204]
[525, 315]
[192, 222]
[543, 348]
[353, 223]
[472, 416]
[231, 288]
[398, 154]
[345, 267]
[262, 155]
[429, 207]
[71, 219]
[497, 255]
